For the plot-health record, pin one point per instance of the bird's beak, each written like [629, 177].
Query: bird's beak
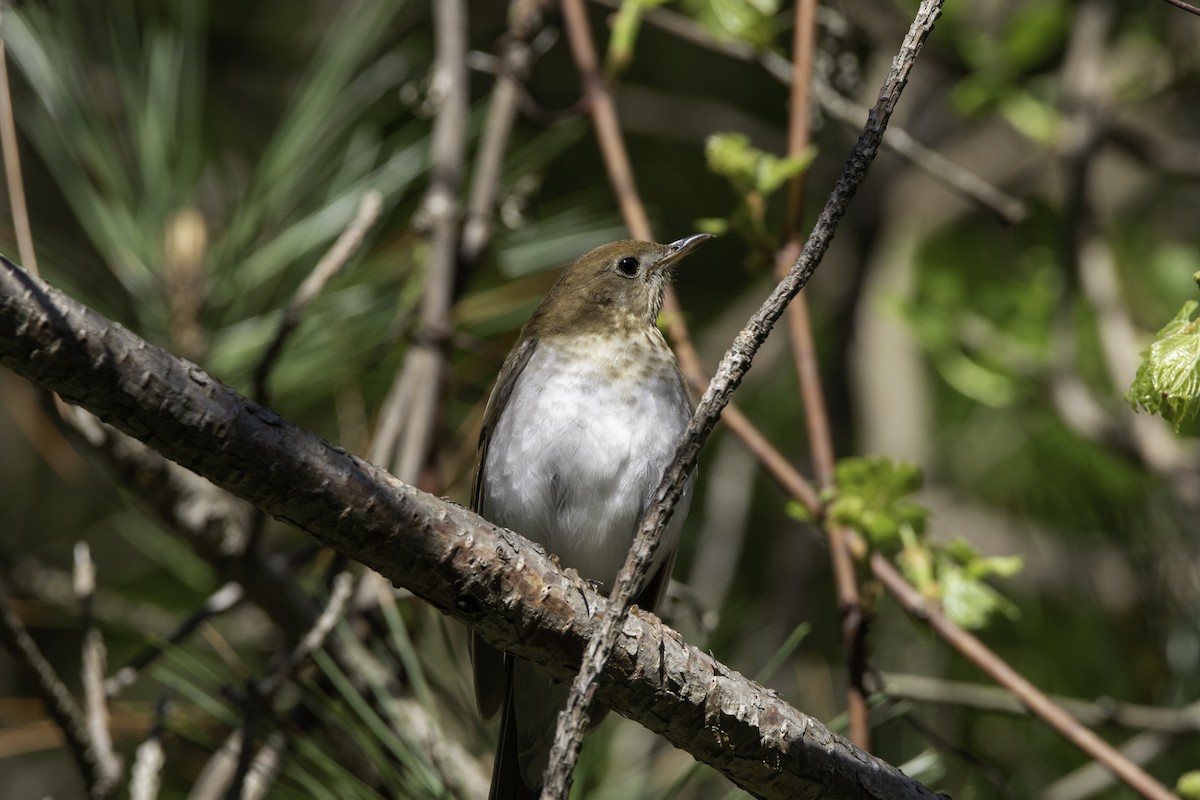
[681, 248]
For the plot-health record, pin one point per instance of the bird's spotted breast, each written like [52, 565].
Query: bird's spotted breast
[591, 425]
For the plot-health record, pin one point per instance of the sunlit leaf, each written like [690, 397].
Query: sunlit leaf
[1168, 381]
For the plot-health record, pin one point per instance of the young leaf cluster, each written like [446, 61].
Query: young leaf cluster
[1167, 382]
[873, 498]
[754, 175]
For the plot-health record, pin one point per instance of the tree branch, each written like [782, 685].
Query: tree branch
[485, 576]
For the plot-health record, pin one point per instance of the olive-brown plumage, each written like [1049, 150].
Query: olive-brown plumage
[584, 419]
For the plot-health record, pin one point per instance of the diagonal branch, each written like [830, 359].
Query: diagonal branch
[480, 574]
[732, 369]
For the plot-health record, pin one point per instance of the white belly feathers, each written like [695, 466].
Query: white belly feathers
[579, 442]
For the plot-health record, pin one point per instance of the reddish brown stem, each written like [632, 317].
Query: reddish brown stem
[1033, 698]
[804, 350]
[603, 112]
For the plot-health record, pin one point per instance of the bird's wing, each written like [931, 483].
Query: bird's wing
[488, 663]
[514, 365]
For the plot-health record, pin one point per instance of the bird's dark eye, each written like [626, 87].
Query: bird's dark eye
[628, 266]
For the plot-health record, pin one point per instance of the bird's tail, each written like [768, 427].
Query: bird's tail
[507, 783]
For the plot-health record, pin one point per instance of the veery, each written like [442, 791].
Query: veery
[584, 419]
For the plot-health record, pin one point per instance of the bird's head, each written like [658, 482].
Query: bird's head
[617, 285]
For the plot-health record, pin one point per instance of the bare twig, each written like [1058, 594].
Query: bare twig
[1037, 702]
[219, 770]
[970, 185]
[95, 702]
[59, 703]
[265, 767]
[1094, 777]
[1092, 713]
[729, 374]
[146, 774]
[327, 268]
[251, 776]
[147, 769]
[1188, 7]
[335, 609]
[219, 602]
[409, 416]
[804, 349]
[524, 16]
[12, 166]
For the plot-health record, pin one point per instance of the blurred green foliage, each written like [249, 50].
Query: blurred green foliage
[188, 164]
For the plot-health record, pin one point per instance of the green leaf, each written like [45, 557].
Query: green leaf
[1188, 785]
[717, 226]
[625, 30]
[749, 21]
[1168, 381]
[750, 169]
[966, 599]
[798, 511]
[730, 155]
[870, 498]
[773, 172]
[1038, 120]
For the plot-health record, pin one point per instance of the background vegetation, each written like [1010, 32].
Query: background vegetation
[188, 164]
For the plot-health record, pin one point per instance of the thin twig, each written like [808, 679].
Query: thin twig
[218, 771]
[59, 703]
[970, 185]
[95, 703]
[334, 260]
[1094, 777]
[146, 773]
[1092, 713]
[917, 605]
[1188, 7]
[804, 349]
[260, 694]
[265, 767]
[219, 602]
[406, 433]
[334, 610]
[729, 374]
[524, 17]
[12, 167]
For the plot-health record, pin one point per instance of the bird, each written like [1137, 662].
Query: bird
[587, 411]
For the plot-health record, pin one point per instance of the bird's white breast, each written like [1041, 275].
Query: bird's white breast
[579, 448]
